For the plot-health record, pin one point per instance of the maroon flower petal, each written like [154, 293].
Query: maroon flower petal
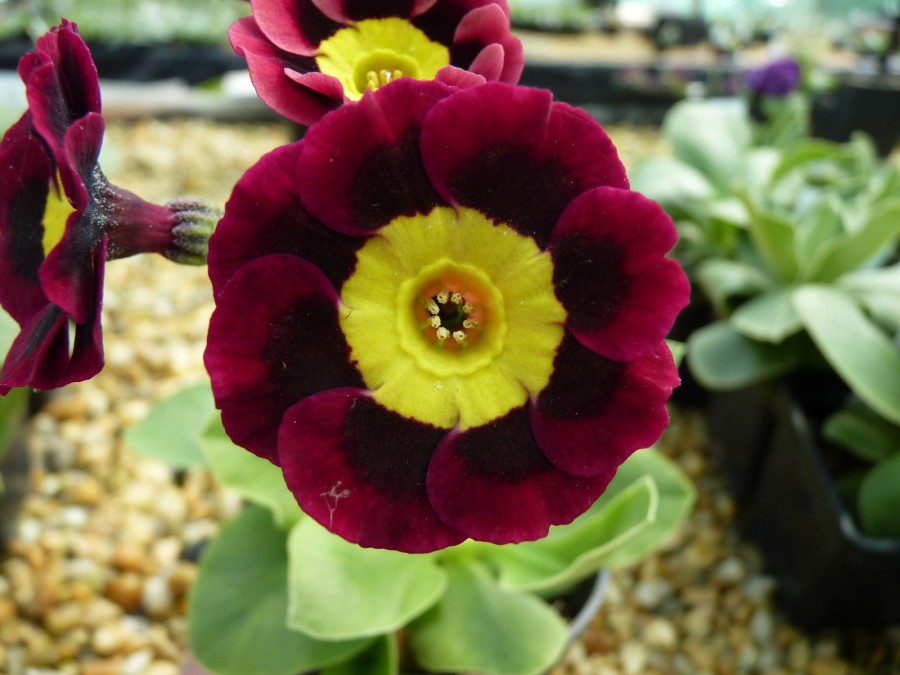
[459, 78]
[494, 484]
[297, 27]
[512, 154]
[282, 80]
[483, 44]
[264, 215]
[360, 470]
[61, 83]
[41, 355]
[69, 274]
[346, 11]
[273, 340]
[23, 195]
[595, 412]
[621, 294]
[361, 168]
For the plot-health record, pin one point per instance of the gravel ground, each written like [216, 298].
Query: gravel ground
[96, 573]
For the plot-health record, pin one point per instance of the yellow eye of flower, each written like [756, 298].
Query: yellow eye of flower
[451, 319]
[56, 213]
[373, 52]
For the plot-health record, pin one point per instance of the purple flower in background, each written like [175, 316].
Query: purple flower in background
[776, 78]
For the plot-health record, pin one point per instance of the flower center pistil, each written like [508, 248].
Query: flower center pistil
[450, 316]
[374, 52]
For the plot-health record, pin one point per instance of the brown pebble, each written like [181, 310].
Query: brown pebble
[129, 556]
[86, 490]
[102, 667]
[125, 590]
[8, 610]
[64, 617]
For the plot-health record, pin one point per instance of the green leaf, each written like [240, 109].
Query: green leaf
[479, 626]
[339, 590]
[676, 496]
[802, 154]
[13, 407]
[710, 136]
[861, 354]
[863, 432]
[879, 499]
[247, 474]
[382, 658]
[773, 236]
[818, 225]
[722, 279]
[669, 181]
[849, 251]
[171, 432]
[769, 317]
[723, 359]
[879, 290]
[238, 605]
[570, 553]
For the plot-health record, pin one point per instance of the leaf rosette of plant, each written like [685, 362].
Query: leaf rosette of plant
[278, 593]
[795, 248]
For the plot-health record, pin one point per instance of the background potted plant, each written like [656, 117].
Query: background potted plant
[793, 244]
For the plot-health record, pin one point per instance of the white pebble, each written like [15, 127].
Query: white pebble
[651, 593]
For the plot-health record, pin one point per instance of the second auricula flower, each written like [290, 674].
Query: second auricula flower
[442, 315]
[61, 219]
[307, 57]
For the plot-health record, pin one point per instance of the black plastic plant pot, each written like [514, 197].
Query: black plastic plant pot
[741, 424]
[868, 103]
[829, 574]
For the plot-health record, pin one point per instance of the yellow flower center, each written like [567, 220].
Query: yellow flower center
[373, 52]
[56, 213]
[452, 319]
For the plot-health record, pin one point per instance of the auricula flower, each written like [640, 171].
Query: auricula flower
[442, 315]
[60, 219]
[307, 57]
[776, 78]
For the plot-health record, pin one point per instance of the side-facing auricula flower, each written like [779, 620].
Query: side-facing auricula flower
[442, 314]
[306, 57]
[60, 219]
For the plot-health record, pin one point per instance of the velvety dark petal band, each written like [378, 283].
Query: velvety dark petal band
[273, 340]
[360, 470]
[23, 196]
[264, 215]
[595, 412]
[360, 167]
[346, 11]
[295, 27]
[282, 80]
[512, 154]
[620, 292]
[40, 351]
[493, 483]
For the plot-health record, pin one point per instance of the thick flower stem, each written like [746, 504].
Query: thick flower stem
[178, 230]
